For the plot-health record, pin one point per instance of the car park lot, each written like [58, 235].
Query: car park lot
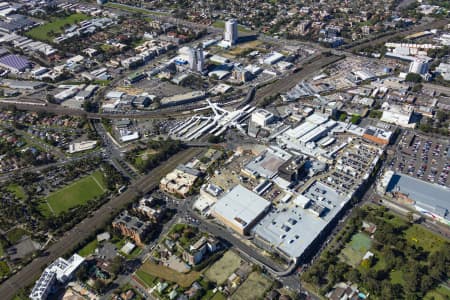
[423, 157]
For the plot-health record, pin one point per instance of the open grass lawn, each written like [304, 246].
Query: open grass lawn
[146, 278]
[397, 277]
[4, 269]
[136, 251]
[223, 268]
[17, 190]
[244, 48]
[442, 292]
[77, 193]
[184, 280]
[142, 158]
[50, 30]
[218, 296]
[89, 248]
[353, 253]
[16, 234]
[254, 287]
[419, 236]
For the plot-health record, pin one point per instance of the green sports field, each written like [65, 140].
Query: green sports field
[47, 32]
[77, 193]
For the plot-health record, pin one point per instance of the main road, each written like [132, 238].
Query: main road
[97, 220]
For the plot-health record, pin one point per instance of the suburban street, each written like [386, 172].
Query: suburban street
[95, 221]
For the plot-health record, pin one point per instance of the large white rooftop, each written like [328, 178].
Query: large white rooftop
[290, 228]
[241, 206]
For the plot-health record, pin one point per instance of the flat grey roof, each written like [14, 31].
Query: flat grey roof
[292, 229]
[268, 162]
[241, 203]
[427, 195]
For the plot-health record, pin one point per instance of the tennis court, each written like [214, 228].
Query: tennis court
[353, 253]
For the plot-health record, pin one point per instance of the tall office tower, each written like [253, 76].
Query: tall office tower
[231, 32]
[196, 59]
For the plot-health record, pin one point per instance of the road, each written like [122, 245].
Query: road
[7, 176]
[385, 37]
[97, 220]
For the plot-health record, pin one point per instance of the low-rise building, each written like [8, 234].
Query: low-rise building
[397, 114]
[377, 135]
[240, 209]
[197, 251]
[82, 146]
[182, 98]
[147, 207]
[180, 180]
[262, 117]
[132, 227]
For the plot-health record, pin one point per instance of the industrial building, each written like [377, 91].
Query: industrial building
[15, 63]
[60, 271]
[230, 36]
[426, 198]
[240, 209]
[273, 58]
[292, 228]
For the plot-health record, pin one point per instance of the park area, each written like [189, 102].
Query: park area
[409, 261]
[47, 32]
[254, 287]
[223, 268]
[78, 193]
[442, 292]
[354, 251]
[149, 271]
[421, 237]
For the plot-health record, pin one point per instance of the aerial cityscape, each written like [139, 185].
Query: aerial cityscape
[212, 150]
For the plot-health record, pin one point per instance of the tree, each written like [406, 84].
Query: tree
[367, 263]
[417, 87]
[426, 283]
[215, 139]
[355, 119]
[90, 106]
[413, 77]
[353, 275]
[342, 117]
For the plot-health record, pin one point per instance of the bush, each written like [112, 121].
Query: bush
[355, 119]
